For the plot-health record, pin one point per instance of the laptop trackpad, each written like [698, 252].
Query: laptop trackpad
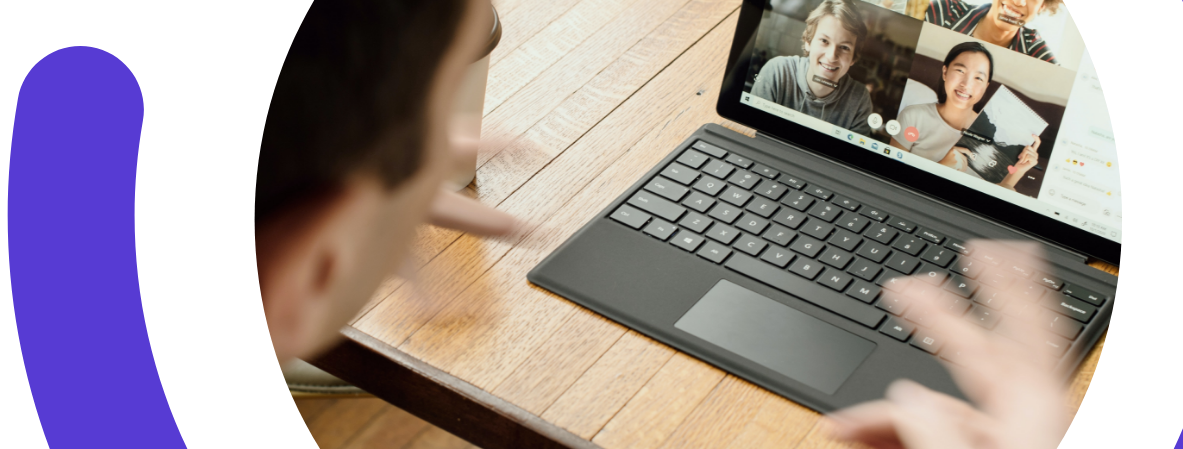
[776, 336]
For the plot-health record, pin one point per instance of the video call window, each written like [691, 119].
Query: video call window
[840, 61]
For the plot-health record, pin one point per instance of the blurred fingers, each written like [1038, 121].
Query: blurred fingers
[455, 211]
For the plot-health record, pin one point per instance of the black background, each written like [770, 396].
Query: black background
[207, 71]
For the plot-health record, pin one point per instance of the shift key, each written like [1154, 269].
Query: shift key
[806, 290]
[656, 205]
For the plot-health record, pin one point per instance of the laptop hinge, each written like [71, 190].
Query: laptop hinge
[1084, 259]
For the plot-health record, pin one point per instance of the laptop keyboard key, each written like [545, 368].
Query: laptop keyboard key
[682, 174]
[714, 252]
[930, 235]
[807, 246]
[984, 317]
[846, 203]
[894, 304]
[736, 196]
[1020, 270]
[698, 202]
[1060, 325]
[745, 179]
[666, 188]
[789, 218]
[778, 256]
[779, 235]
[709, 185]
[864, 291]
[825, 211]
[1049, 281]
[967, 267]
[750, 244]
[855, 223]
[819, 192]
[762, 206]
[897, 329]
[881, 234]
[772, 189]
[806, 268]
[723, 234]
[846, 240]
[902, 263]
[902, 224]
[695, 222]
[797, 200]
[874, 214]
[752, 224]
[738, 161]
[993, 299]
[958, 245]
[874, 252]
[954, 304]
[1084, 294]
[928, 341]
[893, 281]
[909, 244]
[710, 149]
[932, 274]
[794, 182]
[661, 229]
[805, 290]
[938, 256]
[1069, 306]
[718, 169]
[836, 280]
[687, 241]
[836, 258]
[864, 270]
[725, 213]
[817, 230]
[656, 205]
[961, 286]
[693, 159]
[630, 216]
[765, 171]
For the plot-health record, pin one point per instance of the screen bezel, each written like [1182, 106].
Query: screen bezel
[730, 107]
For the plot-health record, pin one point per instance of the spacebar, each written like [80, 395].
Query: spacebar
[806, 290]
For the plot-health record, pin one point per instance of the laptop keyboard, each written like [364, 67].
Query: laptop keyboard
[840, 254]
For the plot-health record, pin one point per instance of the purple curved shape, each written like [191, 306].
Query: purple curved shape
[71, 239]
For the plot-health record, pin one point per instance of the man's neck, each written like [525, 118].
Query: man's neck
[818, 90]
[988, 31]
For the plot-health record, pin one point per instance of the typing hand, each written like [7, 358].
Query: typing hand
[455, 211]
[1019, 403]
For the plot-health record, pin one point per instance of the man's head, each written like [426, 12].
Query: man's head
[354, 151]
[1012, 14]
[834, 33]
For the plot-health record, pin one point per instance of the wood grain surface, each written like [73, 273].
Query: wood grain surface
[584, 97]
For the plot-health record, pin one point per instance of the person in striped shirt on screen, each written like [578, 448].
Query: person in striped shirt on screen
[1000, 22]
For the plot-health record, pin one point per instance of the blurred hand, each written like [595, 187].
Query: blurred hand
[455, 211]
[1019, 402]
[1029, 157]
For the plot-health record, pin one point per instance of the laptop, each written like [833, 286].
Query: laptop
[887, 137]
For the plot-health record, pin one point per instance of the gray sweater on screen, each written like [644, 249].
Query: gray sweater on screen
[782, 81]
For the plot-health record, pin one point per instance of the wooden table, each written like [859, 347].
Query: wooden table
[584, 96]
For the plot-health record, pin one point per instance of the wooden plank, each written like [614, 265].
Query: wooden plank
[549, 46]
[341, 421]
[438, 398]
[436, 438]
[311, 408]
[720, 418]
[608, 385]
[522, 23]
[567, 354]
[661, 405]
[779, 423]
[393, 428]
[486, 332]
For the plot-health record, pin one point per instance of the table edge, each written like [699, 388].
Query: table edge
[439, 398]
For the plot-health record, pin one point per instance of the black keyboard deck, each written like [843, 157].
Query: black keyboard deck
[828, 249]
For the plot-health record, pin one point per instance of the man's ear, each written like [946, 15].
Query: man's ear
[304, 256]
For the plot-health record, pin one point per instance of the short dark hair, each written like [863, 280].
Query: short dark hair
[957, 51]
[352, 97]
[846, 12]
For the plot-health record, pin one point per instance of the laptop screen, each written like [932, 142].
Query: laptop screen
[996, 95]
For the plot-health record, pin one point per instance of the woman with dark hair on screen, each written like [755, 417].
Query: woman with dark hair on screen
[966, 73]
